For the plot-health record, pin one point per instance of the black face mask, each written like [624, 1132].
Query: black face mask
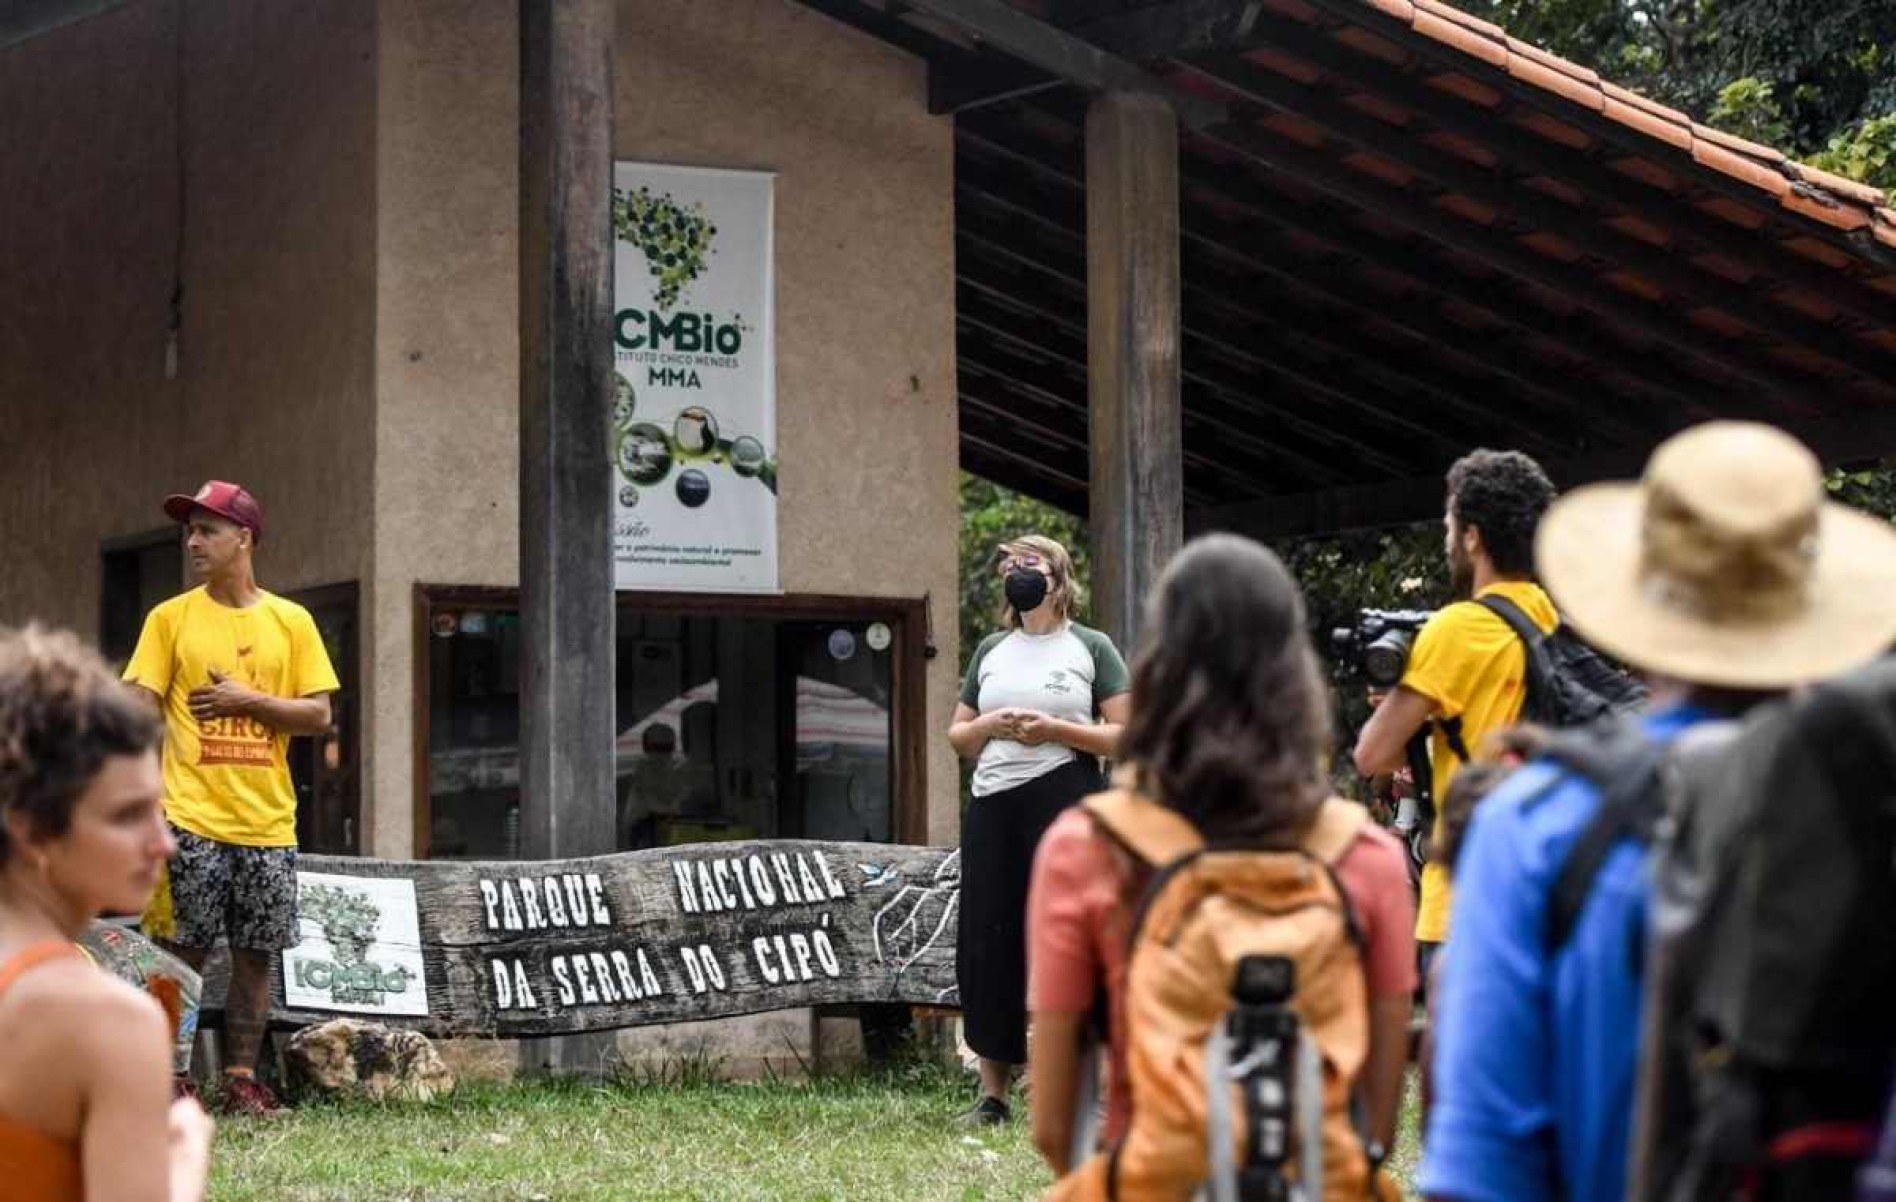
[1026, 589]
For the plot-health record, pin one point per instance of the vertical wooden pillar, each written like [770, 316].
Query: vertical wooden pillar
[1132, 299]
[567, 805]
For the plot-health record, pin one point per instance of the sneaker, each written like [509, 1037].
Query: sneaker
[988, 1112]
[183, 1086]
[249, 1097]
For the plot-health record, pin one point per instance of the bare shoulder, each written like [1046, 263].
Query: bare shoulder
[80, 1007]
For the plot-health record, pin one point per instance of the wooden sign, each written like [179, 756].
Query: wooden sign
[560, 946]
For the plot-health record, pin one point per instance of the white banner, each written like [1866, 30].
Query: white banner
[694, 437]
[361, 947]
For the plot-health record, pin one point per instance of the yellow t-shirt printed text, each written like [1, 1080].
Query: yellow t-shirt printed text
[1469, 663]
[228, 778]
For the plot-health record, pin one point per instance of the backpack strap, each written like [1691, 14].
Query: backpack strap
[1151, 832]
[1524, 627]
[1622, 762]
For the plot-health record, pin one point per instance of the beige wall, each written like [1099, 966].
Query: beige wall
[274, 387]
[447, 352]
[865, 295]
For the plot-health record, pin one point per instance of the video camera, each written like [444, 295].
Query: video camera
[1380, 641]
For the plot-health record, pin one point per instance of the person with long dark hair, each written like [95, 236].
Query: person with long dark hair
[1043, 701]
[85, 1059]
[1229, 724]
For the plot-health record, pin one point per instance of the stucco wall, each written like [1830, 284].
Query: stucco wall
[865, 295]
[447, 363]
[273, 132]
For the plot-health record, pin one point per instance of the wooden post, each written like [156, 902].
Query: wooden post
[1132, 298]
[566, 585]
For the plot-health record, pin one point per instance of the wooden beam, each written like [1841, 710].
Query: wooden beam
[961, 90]
[1611, 194]
[1132, 289]
[1433, 334]
[1608, 304]
[1182, 27]
[23, 20]
[1013, 31]
[1250, 413]
[1528, 212]
[567, 794]
[1835, 440]
[566, 584]
[1305, 373]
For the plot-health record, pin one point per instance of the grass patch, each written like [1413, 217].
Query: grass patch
[565, 1141]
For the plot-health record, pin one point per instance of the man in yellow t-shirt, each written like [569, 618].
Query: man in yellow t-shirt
[1467, 671]
[236, 671]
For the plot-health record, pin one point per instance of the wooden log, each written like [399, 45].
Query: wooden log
[534, 948]
[1138, 496]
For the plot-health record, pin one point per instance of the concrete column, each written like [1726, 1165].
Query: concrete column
[1132, 290]
[566, 583]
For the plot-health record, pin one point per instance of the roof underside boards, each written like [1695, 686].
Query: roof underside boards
[1405, 234]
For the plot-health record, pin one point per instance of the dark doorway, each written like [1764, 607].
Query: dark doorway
[327, 769]
[135, 574]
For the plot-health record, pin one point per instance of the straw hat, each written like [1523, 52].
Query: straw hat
[1725, 565]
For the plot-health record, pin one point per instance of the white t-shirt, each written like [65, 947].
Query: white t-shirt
[1064, 674]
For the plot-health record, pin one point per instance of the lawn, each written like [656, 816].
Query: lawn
[856, 1137]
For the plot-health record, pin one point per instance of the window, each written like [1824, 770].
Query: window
[736, 718]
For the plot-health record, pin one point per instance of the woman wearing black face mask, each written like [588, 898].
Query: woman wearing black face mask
[1044, 698]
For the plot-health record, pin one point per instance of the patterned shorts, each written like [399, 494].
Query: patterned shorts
[247, 894]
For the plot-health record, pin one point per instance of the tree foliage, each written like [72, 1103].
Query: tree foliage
[990, 516]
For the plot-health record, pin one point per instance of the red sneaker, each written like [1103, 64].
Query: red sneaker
[249, 1097]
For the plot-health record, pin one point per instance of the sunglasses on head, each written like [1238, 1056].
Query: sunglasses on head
[1020, 559]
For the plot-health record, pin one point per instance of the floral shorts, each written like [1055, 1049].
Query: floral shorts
[247, 894]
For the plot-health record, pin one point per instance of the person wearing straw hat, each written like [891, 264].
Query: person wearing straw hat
[1725, 577]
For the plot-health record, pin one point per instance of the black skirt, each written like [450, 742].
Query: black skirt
[999, 833]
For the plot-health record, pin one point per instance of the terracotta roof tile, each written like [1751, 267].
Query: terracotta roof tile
[1531, 70]
[1849, 188]
[1628, 96]
[1380, 107]
[1550, 128]
[1732, 142]
[1377, 167]
[1640, 228]
[1638, 285]
[1284, 64]
[1473, 210]
[1560, 190]
[1822, 206]
[1819, 195]
[1554, 62]
[1449, 12]
[1461, 147]
[1828, 254]
[1731, 269]
[1765, 179]
[1462, 38]
[1649, 123]
[1473, 91]
[1742, 215]
[1401, 10]
[1553, 246]
[1361, 39]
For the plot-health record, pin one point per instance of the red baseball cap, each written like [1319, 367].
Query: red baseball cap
[232, 502]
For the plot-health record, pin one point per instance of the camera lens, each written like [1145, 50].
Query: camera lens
[1386, 657]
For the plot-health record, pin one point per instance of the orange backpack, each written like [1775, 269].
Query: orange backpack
[1206, 913]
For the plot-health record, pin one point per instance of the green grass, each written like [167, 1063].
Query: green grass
[836, 1138]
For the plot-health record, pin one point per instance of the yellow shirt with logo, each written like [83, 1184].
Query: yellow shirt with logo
[1469, 663]
[228, 779]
